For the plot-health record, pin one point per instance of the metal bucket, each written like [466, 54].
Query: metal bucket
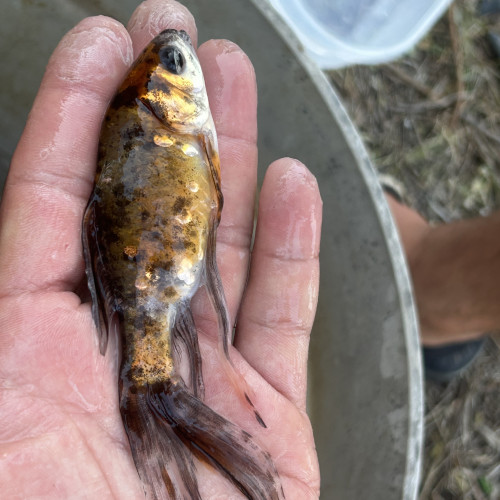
[365, 385]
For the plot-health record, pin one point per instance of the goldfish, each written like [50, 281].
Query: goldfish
[149, 236]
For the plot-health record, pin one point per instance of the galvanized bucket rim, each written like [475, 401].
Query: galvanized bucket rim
[396, 255]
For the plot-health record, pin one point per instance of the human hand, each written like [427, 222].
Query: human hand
[61, 434]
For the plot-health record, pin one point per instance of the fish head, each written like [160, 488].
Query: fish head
[175, 88]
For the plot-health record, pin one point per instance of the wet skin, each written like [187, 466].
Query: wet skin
[62, 434]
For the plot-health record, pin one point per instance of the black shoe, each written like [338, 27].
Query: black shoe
[446, 362]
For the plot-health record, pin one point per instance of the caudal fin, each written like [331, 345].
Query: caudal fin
[167, 425]
[163, 462]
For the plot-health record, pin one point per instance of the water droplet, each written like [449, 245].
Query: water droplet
[44, 153]
[193, 187]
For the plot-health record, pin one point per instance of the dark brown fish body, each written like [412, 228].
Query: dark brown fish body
[154, 226]
[149, 243]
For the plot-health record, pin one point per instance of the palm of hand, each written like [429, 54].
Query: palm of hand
[61, 434]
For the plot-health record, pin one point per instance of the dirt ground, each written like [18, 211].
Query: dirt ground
[431, 120]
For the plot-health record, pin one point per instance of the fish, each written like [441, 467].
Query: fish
[149, 238]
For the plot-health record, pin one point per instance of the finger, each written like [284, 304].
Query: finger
[232, 92]
[154, 16]
[52, 169]
[279, 306]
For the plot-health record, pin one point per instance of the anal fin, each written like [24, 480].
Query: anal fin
[215, 289]
[185, 340]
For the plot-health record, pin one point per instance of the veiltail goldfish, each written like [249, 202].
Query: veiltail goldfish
[149, 243]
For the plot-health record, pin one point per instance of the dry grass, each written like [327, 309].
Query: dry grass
[462, 434]
[432, 121]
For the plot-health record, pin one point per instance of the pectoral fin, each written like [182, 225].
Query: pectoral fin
[214, 165]
[217, 297]
[103, 310]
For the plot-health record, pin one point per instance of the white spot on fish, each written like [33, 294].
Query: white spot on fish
[141, 283]
[184, 219]
[189, 150]
[153, 306]
[186, 273]
[163, 141]
[193, 187]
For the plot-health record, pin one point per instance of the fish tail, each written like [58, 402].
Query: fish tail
[163, 462]
[167, 425]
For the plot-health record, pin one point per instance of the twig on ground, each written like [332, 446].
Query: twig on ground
[431, 479]
[480, 127]
[406, 78]
[459, 62]
[432, 105]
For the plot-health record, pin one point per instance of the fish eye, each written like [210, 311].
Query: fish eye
[172, 59]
